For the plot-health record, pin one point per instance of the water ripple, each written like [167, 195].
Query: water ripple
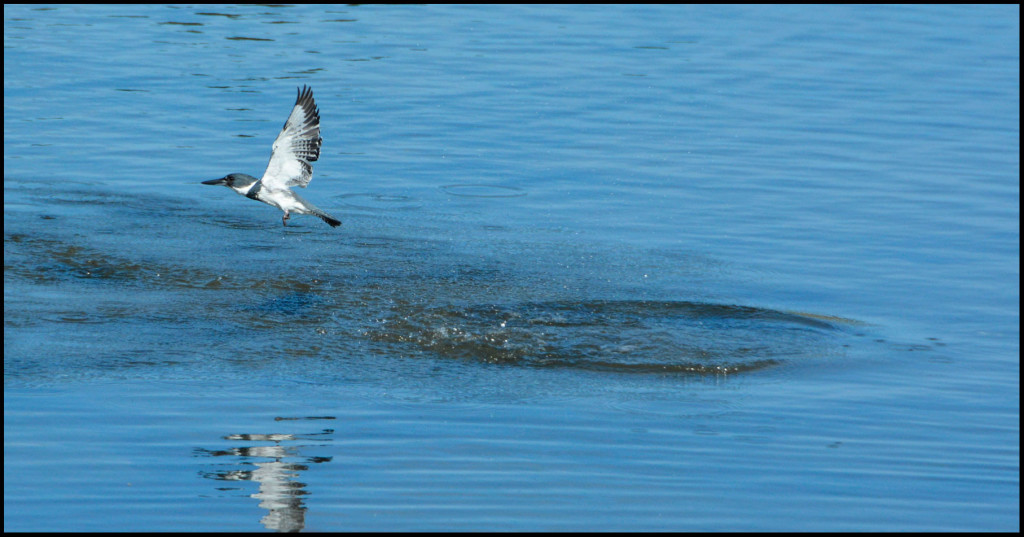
[483, 191]
[621, 335]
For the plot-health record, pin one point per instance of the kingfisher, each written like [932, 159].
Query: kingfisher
[295, 149]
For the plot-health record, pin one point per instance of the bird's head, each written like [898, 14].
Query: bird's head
[238, 182]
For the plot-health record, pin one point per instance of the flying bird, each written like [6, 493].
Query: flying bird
[296, 147]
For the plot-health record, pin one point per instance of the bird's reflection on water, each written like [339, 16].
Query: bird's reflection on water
[276, 461]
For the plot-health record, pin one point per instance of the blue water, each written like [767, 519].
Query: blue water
[608, 268]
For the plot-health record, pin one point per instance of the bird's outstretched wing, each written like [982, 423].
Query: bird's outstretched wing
[296, 147]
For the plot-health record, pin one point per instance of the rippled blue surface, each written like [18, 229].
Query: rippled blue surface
[610, 268]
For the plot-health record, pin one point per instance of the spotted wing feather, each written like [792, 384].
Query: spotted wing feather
[296, 147]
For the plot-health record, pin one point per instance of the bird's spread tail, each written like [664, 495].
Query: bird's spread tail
[333, 222]
[309, 208]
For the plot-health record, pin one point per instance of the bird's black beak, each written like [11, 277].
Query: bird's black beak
[221, 181]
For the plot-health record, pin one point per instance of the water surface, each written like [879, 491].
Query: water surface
[621, 268]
